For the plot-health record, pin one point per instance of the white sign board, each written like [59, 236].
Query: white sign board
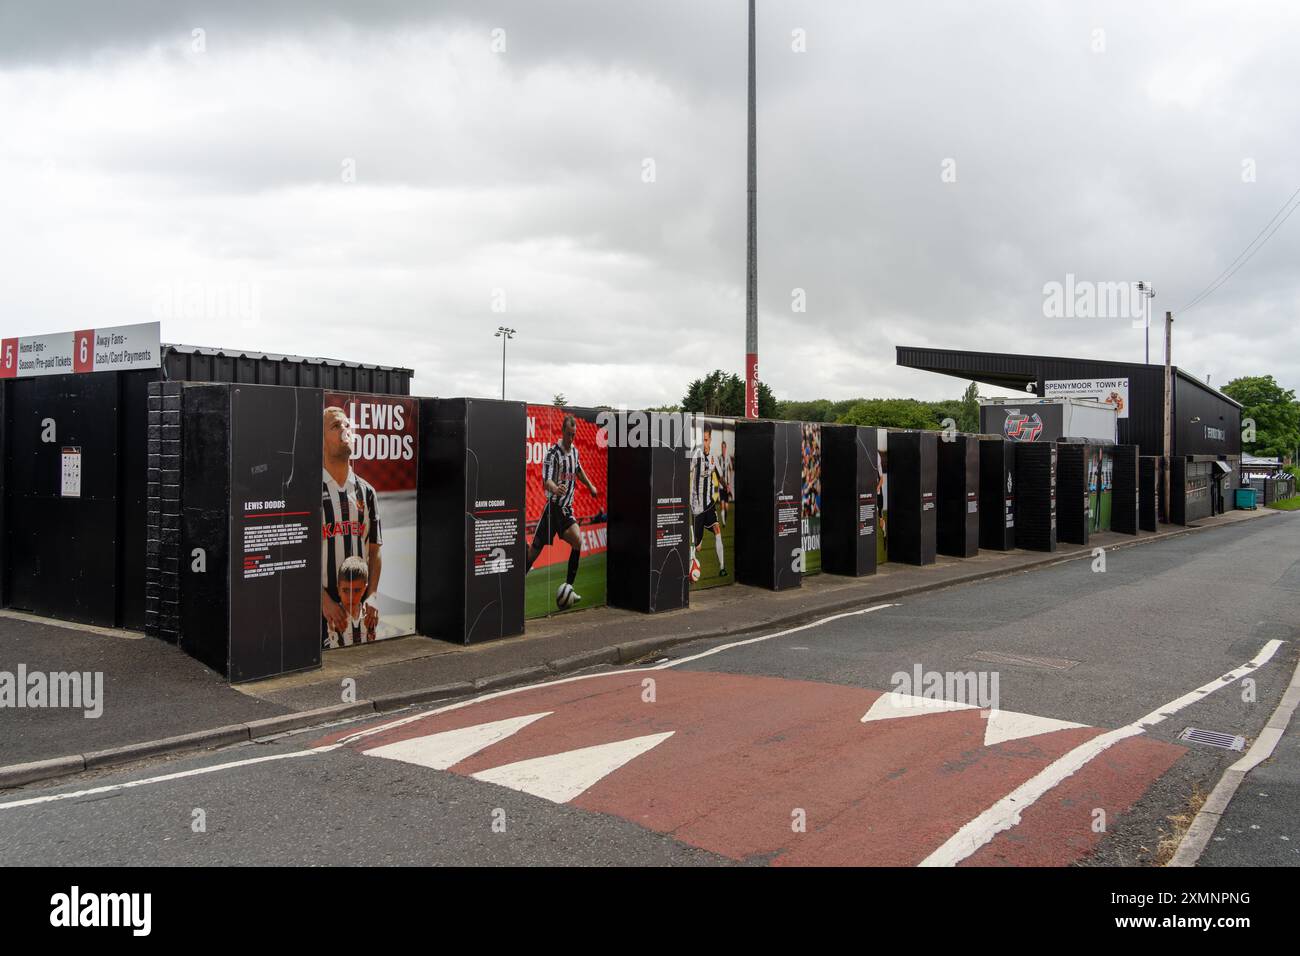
[115, 349]
[70, 487]
[1109, 391]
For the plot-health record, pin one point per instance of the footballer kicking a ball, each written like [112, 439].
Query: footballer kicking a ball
[561, 471]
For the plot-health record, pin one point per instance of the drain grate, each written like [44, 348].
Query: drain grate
[1213, 738]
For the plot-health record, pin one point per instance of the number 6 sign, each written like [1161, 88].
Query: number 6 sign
[83, 351]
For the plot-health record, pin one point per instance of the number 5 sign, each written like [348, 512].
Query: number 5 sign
[8, 358]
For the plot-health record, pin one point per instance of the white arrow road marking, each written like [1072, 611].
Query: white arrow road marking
[561, 777]
[1005, 814]
[892, 706]
[442, 750]
[1004, 725]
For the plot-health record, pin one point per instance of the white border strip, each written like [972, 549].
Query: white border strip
[1005, 814]
[1198, 835]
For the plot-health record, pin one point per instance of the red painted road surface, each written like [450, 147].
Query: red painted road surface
[747, 753]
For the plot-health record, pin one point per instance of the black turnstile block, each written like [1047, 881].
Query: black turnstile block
[470, 546]
[1072, 525]
[1125, 504]
[769, 486]
[997, 494]
[913, 464]
[1036, 496]
[957, 490]
[849, 504]
[649, 512]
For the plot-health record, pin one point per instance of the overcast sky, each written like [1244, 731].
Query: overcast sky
[372, 181]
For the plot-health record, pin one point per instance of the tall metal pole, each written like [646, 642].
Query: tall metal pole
[751, 270]
[1169, 384]
[504, 333]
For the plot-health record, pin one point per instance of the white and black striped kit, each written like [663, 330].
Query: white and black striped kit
[349, 522]
[703, 468]
[561, 465]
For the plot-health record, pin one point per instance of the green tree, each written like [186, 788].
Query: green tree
[1274, 410]
[560, 401]
[723, 393]
[969, 419]
[818, 410]
[890, 413]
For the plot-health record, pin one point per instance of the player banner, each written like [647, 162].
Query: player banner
[565, 461]
[882, 496]
[810, 510]
[712, 480]
[368, 507]
[1101, 471]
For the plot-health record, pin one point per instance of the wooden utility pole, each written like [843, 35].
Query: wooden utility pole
[1168, 417]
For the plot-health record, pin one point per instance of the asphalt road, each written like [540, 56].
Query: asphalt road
[759, 753]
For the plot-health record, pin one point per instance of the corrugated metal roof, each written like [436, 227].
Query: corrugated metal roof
[267, 356]
[1004, 368]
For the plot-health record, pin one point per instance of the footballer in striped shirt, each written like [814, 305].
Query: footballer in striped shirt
[705, 477]
[349, 530]
[561, 472]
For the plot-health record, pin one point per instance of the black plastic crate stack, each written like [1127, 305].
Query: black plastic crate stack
[958, 483]
[1124, 497]
[849, 505]
[1036, 496]
[163, 512]
[997, 494]
[913, 461]
[1148, 494]
[1072, 524]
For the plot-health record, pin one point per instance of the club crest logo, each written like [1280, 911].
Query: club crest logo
[1019, 427]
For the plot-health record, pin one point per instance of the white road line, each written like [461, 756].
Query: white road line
[179, 775]
[767, 637]
[1005, 814]
[402, 721]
